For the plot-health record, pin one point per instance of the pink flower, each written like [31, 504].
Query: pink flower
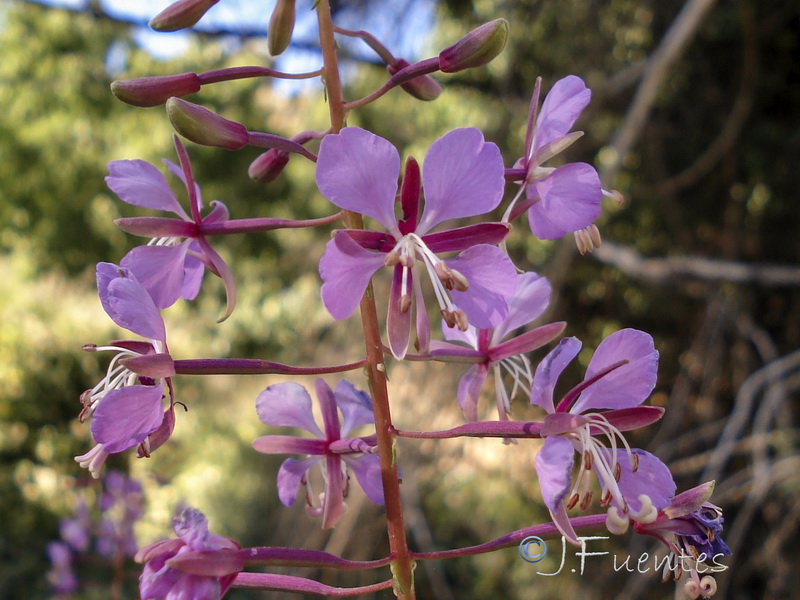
[198, 565]
[289, 405]
[172, 264]
[462, 176]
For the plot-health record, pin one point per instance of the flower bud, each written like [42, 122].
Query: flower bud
[476, 48]
[201, 126]
[423, 87]
[281, 26]
[153, 91]
[267, 166]
[181, 14]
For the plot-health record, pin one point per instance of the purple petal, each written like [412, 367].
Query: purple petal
[367, 470]
[356, 406]
[160, 269]
[287, 405]
[139, 183]
[289, 476]
[220, 268]
[527, 342]
[422, 323]
[193, 271]
[327, 404]
[131, 307]
[398, 321]
[569, 200]
[105, 273]
[357, 170]
[690, 501]
[333, 507]
[178, 172]
[463, 176]
[469, 391]
[561, 108]
[346, 269]
[288, 444]
[461, 238]
[652, 478]
[492, 278]
[530, 299]
[549, 370]
[454, 334]
[125, 417]
[628, 385]
[554, 470]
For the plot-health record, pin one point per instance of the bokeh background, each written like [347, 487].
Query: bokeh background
[695, 118]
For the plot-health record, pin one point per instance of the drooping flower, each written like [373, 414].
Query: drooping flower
[462, 176]
[564, 199]
[289, 405]
[620, 376]
[691, 528]
[529, 301]
[198, 565]
[172, 264]
[125, 406]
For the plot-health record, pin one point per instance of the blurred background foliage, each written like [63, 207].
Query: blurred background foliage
[703, 255]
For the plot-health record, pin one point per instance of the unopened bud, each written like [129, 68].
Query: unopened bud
[424, 87]
[154, 91]
[281, 26]
[201, 126]
[475, 49]
[181, 15]
[267, 166]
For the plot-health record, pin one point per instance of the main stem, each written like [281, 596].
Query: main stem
[402, 563]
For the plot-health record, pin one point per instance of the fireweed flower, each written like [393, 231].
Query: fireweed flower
[125, 406]
[289, 405]
[620, 376]
[691, 528]
[198, 565]
[564, 199]
[462, 176]
[171, 265]
[529, 301]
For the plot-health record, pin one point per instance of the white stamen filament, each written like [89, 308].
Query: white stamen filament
[164, 241]
[116, 376]
[410, 247]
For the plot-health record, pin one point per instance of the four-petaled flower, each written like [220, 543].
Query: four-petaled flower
[528, 302]
[620, 376]
[126, 406]
[198, 565]
[564, 199]
[289, 405]
[462, 176]
[171, 265]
